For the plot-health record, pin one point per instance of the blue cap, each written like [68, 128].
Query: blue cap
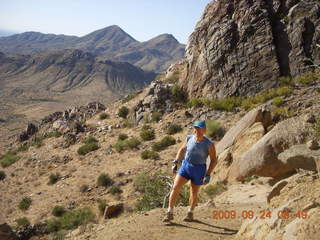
[200, 124]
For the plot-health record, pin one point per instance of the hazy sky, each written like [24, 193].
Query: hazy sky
[142, 19]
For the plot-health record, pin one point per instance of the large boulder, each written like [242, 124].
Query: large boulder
[261, 115]
[262, 158]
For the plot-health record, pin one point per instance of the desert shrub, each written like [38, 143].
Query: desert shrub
[307, 78]
[281, 113]
[60, 235]
[70, 220]
[214, 129]
[277, 101]
[154, 188]
[102, 206]
[25, 203]
[149, 154]
[178, 94]
[132, 142]
[215, 189]
[285, 81]
[2, 175]
[163, 144]
[127, 123]
[38, 141]
[104, 180]
[120, 145]
[122, 136]
[283, 91]
[316, 128]
[89, 140]
[53, 178]
[226, 104]
[103, 116]
[129, 97]
[147, 133]
[173, 129]
[195, 102]
[123, 112]
[156, 117]
[55, 134]
[83, 150]
[115, 190]
[8, 159]
[84, 188]
[21, 222]
[23, 148]
[58, 211]
[248, 104]
[172, 79]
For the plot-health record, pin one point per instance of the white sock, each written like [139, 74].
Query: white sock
[190, 210]
[170, 209]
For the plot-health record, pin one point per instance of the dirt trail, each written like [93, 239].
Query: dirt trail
[211, 219]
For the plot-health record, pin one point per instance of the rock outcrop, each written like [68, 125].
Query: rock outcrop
[243, 47]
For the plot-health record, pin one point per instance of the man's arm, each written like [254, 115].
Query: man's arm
[213, 159]
[181, 151]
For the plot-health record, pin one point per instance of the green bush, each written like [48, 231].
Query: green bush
[147, 134]
[122, 136]
[38, 141]
[149, 154]
[156, 117]
[83, 150]
[21, 222]
[226, 104]
[154, 188]
[25, 203]
[104, 180]
[277, 101]
[89, 140]
[173, 129]
[195, 102]
[177, 94]
[70, 220]
[102, 206]
[307, 78]
[53, 178]
[115, 190]
[55, 134]
[216, 189]
[127, 123]
[23, 148]
[129, 97]
[281, 112]
[214, 129]
[58, 211]
[120, 145]
[316, 128]
[123, 112]
[103, 116]
[8, 159]
[163, 144]
[2, 175]
[132, 142]
[285, 81]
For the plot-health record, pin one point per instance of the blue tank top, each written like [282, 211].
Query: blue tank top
[197, 152]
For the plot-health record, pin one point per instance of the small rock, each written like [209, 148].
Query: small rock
[312, 145]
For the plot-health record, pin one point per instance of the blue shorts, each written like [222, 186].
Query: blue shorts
[193, 172]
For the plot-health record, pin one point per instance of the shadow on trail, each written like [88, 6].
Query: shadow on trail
[227, 231]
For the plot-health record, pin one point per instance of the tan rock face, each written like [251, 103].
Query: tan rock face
[243, 47]
[262, 158]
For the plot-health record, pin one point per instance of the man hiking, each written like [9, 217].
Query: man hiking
[194, 153]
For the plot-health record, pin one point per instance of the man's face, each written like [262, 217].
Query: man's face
[199, 131]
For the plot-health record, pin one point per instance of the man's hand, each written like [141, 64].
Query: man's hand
[174, 169]
[206, 180]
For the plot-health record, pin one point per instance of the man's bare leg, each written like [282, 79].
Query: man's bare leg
[193, 200]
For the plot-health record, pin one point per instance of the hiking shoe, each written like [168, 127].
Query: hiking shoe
[168, 217]
[189, 217]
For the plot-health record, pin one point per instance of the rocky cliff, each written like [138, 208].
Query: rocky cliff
[243, 47]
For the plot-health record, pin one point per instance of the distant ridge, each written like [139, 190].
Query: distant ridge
[110, 43]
